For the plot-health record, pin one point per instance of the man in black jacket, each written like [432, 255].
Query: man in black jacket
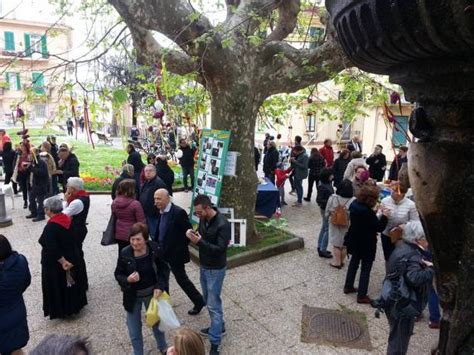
[150, 186]
[212, 238]
[68, 166]
[39, 188]
[171, 236]
[135, 159]
[270, 161]
[377, 163]
[187, 162]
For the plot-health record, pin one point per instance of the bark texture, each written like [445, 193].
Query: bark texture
[238, 74]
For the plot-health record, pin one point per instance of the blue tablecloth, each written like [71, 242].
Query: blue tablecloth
[268, 199]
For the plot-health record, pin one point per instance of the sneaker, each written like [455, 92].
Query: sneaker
[364, 300]
[292, 192]
[205, 332]
[215, 349]
[307, 199]
[434, 324]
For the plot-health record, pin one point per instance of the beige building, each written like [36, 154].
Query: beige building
[25, 56]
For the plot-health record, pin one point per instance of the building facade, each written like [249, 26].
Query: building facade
[28, 52]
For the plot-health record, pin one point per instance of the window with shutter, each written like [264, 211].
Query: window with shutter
[38, 83]
[9, 41]
[13, 80]
[27, 45]
[44, 47]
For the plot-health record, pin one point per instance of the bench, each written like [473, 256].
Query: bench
[103, 138]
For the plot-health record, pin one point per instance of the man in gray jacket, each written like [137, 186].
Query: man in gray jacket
[299, 162]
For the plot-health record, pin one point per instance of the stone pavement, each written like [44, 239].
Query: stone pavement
[262, 301]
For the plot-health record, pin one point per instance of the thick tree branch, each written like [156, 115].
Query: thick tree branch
[288, 11]
[150, 52]
[246, 13]
[291, 69]
[176, 19]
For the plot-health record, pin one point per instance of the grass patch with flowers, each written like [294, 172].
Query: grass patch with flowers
[99, 167]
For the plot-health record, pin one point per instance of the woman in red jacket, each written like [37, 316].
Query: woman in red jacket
[127, 211]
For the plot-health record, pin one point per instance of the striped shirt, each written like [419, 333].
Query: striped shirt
[400, 212]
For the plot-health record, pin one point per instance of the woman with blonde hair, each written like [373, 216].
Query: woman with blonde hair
[187, 342]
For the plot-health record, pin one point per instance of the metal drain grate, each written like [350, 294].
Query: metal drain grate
[334, 327]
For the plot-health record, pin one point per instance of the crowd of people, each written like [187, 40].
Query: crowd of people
[152, 235]
[354, 214]
[151, 232]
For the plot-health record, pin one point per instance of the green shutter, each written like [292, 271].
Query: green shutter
[9, 41]
[27, 45]
[44, 47]
[7, 78]
[18, 83]
[38, 83]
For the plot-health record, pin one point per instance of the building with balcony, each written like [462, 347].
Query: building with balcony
[31, 71]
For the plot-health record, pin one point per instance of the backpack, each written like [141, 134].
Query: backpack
[397, 296]
[340, 215]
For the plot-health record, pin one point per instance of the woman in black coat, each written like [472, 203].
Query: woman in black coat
[141, 274]
[15, 278]
[361, 239]
[63, 279]
[8, 157]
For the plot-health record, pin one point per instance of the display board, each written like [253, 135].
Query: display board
[211, 165]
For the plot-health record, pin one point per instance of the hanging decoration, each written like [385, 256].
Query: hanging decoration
[87, 123]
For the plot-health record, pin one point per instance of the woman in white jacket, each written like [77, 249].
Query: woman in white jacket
[343, 198]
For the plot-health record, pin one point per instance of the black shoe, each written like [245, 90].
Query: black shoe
[205, 332]
[325, 254]
[215, 349]
[195, 311]
[25, 205]
[31, 216]
[37, 219]
[307, 199]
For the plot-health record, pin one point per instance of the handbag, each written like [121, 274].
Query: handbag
[108, 236]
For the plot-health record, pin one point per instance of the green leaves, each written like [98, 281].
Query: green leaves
[227, 42]
[120, 96]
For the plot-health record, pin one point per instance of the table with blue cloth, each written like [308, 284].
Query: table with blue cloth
[268, 199]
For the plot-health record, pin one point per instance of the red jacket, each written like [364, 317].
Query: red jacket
[127, 211]
[281, 176]
[328, 154]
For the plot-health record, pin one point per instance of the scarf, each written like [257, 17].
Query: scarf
[61, 219]
[81, 193]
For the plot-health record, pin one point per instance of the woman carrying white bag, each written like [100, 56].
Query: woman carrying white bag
[142, 276]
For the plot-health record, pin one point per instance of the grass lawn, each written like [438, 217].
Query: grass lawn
[93, 162]
[270, 234]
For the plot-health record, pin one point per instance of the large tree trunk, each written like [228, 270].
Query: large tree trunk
[442, 175]
[235, 108]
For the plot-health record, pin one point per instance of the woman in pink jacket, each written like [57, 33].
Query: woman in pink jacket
[127, 211]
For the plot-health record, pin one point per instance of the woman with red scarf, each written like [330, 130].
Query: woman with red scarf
[77, 207]
[62, 277]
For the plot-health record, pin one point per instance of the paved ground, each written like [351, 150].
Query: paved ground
[262, 301]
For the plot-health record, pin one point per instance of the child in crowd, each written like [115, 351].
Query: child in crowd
[280, 178]
[186, 342]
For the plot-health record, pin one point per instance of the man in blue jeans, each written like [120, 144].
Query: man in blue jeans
[212, 238]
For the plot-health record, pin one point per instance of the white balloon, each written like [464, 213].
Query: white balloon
[158, 105]
[179, 154]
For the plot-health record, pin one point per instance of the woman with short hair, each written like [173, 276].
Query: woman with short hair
[15, 278]
[127, 211]
[63, 278]
[361, 239]
[141, 274]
